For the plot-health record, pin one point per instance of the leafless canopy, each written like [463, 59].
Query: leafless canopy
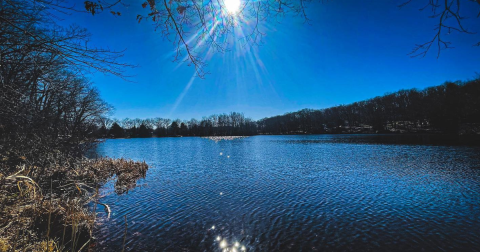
[199, 27]
[46, 102]
[196, 26]
[449, 16]
[70, 44]
[191, 24]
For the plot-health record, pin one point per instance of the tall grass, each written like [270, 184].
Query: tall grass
[32, 220]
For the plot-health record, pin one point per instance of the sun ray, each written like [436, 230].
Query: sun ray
[184, 92]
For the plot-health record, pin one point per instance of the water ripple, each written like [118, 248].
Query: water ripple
[295, 193]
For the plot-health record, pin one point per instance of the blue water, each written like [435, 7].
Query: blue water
[294, 193]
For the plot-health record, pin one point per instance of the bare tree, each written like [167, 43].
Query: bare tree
[47, 105]
[450, 18]
[127, 123]
[137, 122]
[106, 122]
[32, 26]
[199, 26]
[149, 123]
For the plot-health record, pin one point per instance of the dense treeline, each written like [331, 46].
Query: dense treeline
[232, 124]
[451, 108]
[47, 105]
[49, 112]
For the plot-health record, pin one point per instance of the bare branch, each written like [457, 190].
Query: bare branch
[443, 11]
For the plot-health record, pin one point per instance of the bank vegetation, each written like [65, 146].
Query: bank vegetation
[48, 114]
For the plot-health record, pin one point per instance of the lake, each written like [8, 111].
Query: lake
[294, 193]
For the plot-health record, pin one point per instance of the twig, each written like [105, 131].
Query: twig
[84, 245]
[4, 228]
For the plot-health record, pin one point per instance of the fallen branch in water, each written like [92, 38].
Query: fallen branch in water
[107, 208]
[33, 216]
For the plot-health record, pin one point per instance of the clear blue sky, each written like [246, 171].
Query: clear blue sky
[351, 51]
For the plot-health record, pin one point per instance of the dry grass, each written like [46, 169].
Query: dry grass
[224, 138]
[126, 172]
[51, 215]
[4, 245]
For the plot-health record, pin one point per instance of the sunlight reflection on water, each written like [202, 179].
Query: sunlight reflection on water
[292, 193]
[233, 247]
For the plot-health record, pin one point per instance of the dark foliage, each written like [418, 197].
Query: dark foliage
[116, 131]
[143, 131]
[451, 108]
[49, 117]
[233, 124]
[48, 109]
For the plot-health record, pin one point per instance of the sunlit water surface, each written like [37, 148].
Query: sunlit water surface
[294, 193]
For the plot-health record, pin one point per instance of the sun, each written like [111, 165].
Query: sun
[232, 6]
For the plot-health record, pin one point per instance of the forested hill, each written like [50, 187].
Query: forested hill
[451, 108]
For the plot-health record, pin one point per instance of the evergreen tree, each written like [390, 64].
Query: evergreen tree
[143, 131]
[116, 131]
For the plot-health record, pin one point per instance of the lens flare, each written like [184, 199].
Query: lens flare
[233, 6]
